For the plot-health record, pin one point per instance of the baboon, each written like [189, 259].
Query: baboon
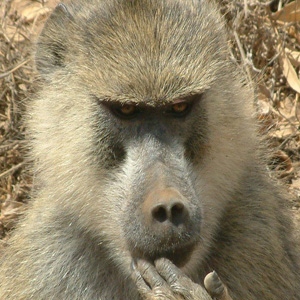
[149, 169]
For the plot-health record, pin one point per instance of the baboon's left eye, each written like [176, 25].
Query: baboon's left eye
[180, 107]
[128, 109]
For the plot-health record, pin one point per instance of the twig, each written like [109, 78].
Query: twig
[12, 169]
[244, 59]
[14, 69]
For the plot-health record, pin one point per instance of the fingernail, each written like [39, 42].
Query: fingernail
[133, 265]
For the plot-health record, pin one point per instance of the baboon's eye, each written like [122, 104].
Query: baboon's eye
[126, 110]
[179, 109]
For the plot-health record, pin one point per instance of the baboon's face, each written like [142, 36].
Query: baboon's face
[153, 149]
[144, 95]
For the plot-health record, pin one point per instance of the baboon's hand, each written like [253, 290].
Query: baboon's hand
[166, 281]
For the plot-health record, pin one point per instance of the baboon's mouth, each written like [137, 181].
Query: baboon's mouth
[179, 256]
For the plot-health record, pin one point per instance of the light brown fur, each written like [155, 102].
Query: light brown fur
[93, 170]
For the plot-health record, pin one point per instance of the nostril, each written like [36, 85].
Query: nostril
[159, 213]
[178, 213]
[177, 210]
[174, 213]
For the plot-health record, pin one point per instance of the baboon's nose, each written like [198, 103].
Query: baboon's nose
[165, 208]
[173, 211]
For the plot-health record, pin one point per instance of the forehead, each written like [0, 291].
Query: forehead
[150, 50]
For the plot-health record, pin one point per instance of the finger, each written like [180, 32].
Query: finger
[142, 286]
[150, 274]
[168, 270]
[177, 280]
[157, 286]
[215, 287]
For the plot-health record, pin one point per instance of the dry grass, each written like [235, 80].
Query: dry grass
[265, 41]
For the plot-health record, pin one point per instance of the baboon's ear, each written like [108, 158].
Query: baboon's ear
[51, 45]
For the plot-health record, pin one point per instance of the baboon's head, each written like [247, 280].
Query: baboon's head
[141, 125]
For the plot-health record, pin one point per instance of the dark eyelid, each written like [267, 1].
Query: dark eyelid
[190, 100]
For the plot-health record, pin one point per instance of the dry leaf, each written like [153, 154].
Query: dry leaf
[296, 182]
[263, 106]
[288, 70]
[30, 10]
[10, 211]
[287, 109]
[30, 13]
[264, 92]
[294, 57]
[289, 13]
[282, 132]
[13, 33]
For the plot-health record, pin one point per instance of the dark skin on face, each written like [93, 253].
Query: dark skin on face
[163, 279]
[179, 108]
